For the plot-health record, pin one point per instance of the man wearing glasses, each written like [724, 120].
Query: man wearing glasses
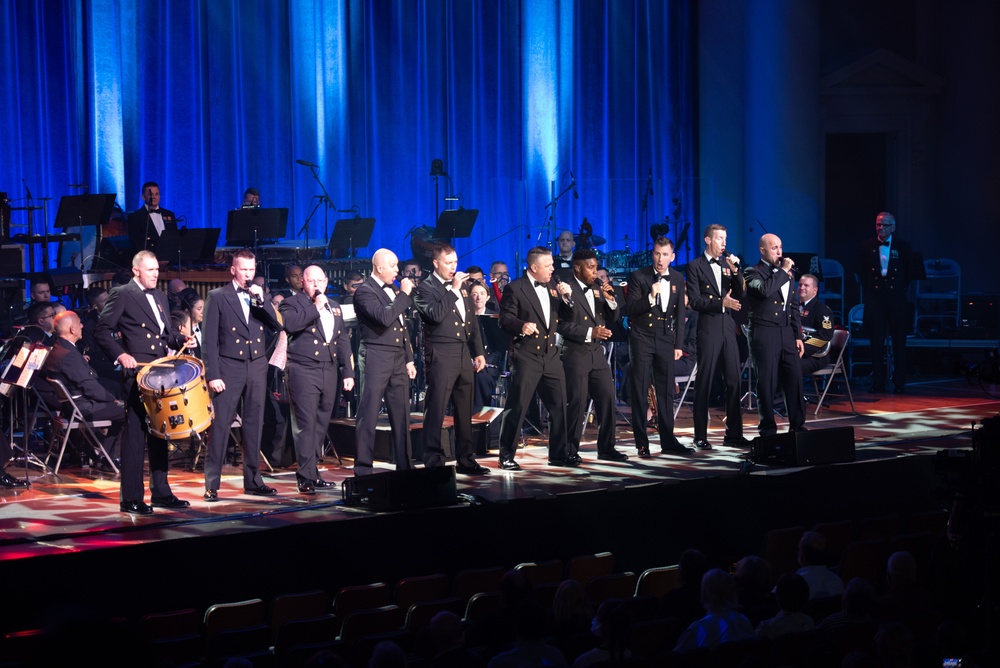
[41, 317]
[886, 271]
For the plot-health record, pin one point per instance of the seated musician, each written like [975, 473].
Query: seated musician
[817, 325]
[486, 380]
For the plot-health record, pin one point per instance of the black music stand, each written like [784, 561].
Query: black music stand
[82, 211]
[251, 227]
[189, 245]
[352, 234]
[455, 223]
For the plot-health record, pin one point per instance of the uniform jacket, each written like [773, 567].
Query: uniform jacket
[306, 340]
[379, 317]
[575, 328]
[818, 317]
[901, 270]
[127, 313]
[767, 305]
[442, 322]
[142, 232]
[520, 305]
[225, 333]
[67, 364]
[645, 319]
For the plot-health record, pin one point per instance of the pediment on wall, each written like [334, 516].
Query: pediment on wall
[881, 70]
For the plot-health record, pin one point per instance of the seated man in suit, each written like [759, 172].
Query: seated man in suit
[148, 223]
[67, 364]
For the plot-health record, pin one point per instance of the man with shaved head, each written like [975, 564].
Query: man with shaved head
[385, 360]
[775, 344]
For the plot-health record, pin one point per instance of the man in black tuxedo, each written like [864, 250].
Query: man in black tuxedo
[656, 321]
[139, 315]
[235, 355]
[563, 260]
[453, 355]
[887, 268]
[148, 223]
[715, 287]
[67, 364]
[385, 361]
[584, 337]
[318, 354]
[775, 336]
[530, 311]
[816, 319]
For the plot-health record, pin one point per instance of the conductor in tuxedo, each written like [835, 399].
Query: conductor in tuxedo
[148, 223]
[887, 268]
[585, 361]
[318, 356]
[530, 310]
[134, 329]
[385, 360]
[775, 335]
[656, 314]
[715, 287]
[235, 355]
[453, 355]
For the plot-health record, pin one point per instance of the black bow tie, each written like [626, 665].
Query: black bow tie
[660, 277]
[155, 211]
[883, 243]
[243, 291]
[714, 260]
[150, 291]
[539, 284]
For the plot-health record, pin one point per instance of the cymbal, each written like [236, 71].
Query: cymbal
[594, 240]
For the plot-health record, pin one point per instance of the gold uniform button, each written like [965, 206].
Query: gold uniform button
[152, 347]
[315, 341]
[148, 335]
[316, 353]
[258, 340]
[234, 329]
[241, 352]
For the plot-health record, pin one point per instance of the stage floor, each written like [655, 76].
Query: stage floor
[77, 510]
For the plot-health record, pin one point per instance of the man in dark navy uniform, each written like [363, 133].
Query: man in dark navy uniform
[816, 319]
[140, 315]
[588, 374]
[530, 310]
[715, 287]
[453, 354]
[385, 360]
[775, 342]
[148, 223]
[656, 317]
[235, 354]
[887, 268]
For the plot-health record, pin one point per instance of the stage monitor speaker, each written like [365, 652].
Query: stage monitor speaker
[402, 490]
[805, 448]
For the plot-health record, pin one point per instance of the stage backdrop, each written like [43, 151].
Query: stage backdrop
[207, 97]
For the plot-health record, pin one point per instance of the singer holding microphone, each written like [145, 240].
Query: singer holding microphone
[319, 353]
[385, 361]
[775, 343]
[656, 311]
[235, 359]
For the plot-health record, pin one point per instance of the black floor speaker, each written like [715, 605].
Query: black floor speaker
[402, 490]
[805, 448]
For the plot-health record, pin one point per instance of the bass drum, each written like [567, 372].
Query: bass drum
[642, 259]
[175, 393]
[618, 262]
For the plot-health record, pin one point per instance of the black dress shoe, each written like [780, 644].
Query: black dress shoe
[260, 490]
[509, 465]
[475, 469]
[135, 508]
[678, 449]
[321, 485]
[10, 482]
[613, 456]
[574, 460]
[644, 452]
[306, 487]
[211, 495]
[740, 442]
[703, 444]
[169, 502]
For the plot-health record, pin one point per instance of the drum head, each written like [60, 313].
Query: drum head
[179, 372]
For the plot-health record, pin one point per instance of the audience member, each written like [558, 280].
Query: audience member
[610, 630]
[792, 592]
[530, 648]
[856, 607]
[823, 583]
[387, 654]
[905, 599]
[684, 602]
[754, 585]
[448, 639]
[723, 623]
[571, 616]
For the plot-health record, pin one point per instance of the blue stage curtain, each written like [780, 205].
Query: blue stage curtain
[208, 97]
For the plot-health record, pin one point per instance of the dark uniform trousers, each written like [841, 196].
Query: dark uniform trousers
[449, 376]
[246, 380]
[774, 331]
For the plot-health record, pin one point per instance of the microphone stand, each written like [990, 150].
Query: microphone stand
[647, 193]
[547, 227]
[322, 199]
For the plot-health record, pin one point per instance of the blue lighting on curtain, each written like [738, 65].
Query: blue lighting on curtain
[210, 97]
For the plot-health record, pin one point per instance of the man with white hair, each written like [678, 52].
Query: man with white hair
[385, 360]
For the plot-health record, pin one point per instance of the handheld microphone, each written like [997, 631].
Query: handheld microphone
[726, 254]
[306, 163]
[257, 301]
[568, 299]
